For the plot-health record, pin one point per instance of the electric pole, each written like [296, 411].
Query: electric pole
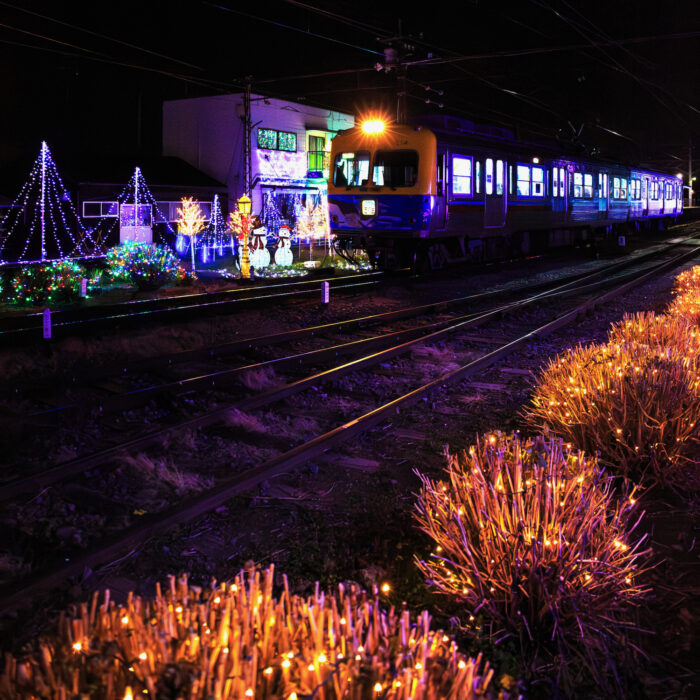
[247, 154]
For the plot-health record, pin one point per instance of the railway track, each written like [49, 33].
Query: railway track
[351, 412]
[28, 328]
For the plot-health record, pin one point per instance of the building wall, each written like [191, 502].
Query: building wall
[207, 132]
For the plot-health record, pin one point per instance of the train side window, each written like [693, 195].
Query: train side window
[654, 189]
[510, 179]
[523, 180]
[616, 188]
[538, 182]
[462, 176]
[600, 185]
[562, 182]
[500, 172]
[623, 188]
[577, 185]
[477, 177]
[489, 176]
[588, 186]
[636, 189]
[555, 182]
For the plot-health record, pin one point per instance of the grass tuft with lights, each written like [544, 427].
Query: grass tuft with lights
[634, 400]
[534, 545]
[236, 640]
[145, 266]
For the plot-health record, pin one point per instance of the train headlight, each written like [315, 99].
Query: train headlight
[369, 207]
[373, 126]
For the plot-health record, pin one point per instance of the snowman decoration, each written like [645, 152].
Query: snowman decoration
[259, 254]
[283, 254]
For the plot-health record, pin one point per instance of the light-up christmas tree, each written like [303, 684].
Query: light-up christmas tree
[137, 193]
[190, 222]
[42, 223]
[215, 236]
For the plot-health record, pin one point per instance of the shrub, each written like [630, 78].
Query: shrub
[144, 265]
[686, 291]
[46, 283]
[530, 537]
[636, 404]
[654, 331]
[236, 641]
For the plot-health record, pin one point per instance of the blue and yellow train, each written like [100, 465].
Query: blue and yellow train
[446, 190]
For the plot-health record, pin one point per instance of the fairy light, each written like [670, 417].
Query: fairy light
[539, 534]
[53, 228]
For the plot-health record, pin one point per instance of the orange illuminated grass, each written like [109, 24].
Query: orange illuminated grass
[530, 538]
[237, 640]
[635, 400]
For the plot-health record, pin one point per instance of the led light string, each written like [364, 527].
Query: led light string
[44, 192]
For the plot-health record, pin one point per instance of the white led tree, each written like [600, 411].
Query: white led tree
[42, 223]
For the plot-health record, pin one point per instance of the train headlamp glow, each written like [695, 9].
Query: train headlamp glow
[369, 207]
[373, 126]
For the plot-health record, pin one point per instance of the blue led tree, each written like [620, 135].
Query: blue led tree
[42, 223]
[216, 235]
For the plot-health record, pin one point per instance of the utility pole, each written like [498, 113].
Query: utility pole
[690, 172]
[247, 136]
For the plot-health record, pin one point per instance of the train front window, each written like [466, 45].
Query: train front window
[351, 169]
[395, 168]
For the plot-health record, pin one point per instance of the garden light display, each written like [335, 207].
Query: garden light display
[215, 236]
[283, 254]
[634, 400]
[144, 265]
[236, 640]
[530, 536]
[240, 222]
[191, 222]
[48, 283]
[54, 229]
[259, 254]
[686, 290]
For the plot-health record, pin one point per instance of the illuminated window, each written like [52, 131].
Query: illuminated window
[523, 173]
[577, 185]
[287, 141]
[267, 138]
[499, 176]
[462, 176]
[562, 182]
[555, 182]
[537, 182]
[316, 154]
[668, 191]
[478, 177]
[636, 189]
[623, 188]
[273, 140]
[98, 210]
[616, 188]
[351, 169]
[654, 190]
[588, 186]
[489, 176]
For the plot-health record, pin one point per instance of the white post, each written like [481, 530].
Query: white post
[47, 323]
[192, 250]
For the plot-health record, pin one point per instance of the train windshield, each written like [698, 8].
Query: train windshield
[395, 168]
[351, 169]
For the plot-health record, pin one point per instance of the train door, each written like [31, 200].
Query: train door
[439, 213]
[603, 195]
[495, 191]
[645, 196]
[559, 190]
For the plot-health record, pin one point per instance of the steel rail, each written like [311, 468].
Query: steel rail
[363, 321]
[78, 465]
[116, 316]
[185, 511]
[130, 399]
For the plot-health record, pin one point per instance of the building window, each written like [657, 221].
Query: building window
[273, 140]
[267, 138]
[316, 154]
[287, 141]
[462, 176]
[99, 210]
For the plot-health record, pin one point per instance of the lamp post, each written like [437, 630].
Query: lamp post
[245, 206]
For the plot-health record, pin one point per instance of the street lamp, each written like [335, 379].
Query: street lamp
[245, 206]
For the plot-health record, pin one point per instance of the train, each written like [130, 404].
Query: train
[444, 189]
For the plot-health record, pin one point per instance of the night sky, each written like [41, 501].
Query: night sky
[90, 77]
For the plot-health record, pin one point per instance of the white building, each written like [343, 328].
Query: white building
[290, 147]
